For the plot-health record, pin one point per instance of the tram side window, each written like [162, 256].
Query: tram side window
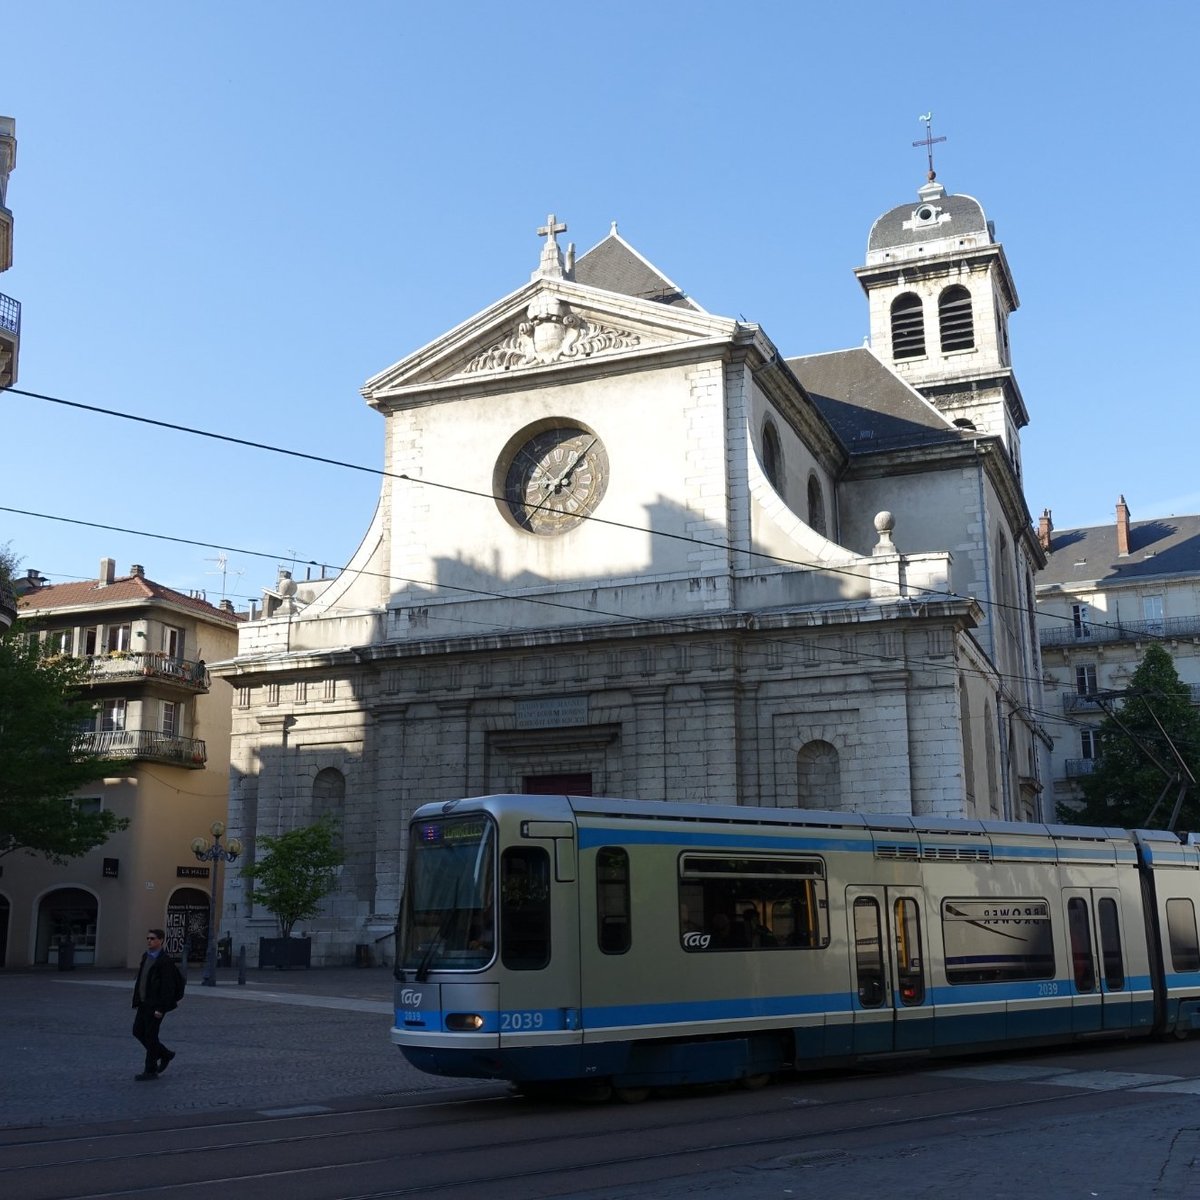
[868, 952]
[1110, 945]
[1181, 932]
[908, 952]
[991, 940]
[613, 927]
[524, 908]
[772, 902]
[1082, 961]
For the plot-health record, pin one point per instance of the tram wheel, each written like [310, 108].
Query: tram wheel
[630, 1095]
[751, 1083]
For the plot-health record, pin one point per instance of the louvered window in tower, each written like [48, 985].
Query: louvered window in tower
[955, 322]
[908, 327]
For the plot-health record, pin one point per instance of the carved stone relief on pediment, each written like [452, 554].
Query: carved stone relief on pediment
[551, 331]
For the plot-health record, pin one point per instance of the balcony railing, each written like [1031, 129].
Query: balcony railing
[1074, 767]
[10, 315]
[1092, 633]
[146, 744]
[144, 664]
[1074, 702]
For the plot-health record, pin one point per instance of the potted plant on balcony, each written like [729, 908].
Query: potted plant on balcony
[292, 875]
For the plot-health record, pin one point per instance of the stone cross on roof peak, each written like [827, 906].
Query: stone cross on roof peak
[551, 264]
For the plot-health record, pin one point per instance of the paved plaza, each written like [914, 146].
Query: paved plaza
[282, 1040]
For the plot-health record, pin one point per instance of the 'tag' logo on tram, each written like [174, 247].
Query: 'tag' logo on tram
[411, 998]
[696, 941]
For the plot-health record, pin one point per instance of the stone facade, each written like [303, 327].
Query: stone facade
[624, 547]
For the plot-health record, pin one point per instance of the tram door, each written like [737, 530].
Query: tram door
[1101, 998]
[890, 1003]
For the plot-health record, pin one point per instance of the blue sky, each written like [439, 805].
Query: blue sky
[229, 216]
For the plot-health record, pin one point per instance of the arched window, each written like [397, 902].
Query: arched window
[329, 794]
[955, 323]
[816, 505]
[819, 776]
[908, 326]
[993, 774]
[968, 745]
[772, 456]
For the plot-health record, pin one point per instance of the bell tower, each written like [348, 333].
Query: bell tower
[940, 293]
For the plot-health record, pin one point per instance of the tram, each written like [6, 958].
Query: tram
[632, 945]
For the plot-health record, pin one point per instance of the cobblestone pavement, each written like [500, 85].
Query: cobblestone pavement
[283, 1039]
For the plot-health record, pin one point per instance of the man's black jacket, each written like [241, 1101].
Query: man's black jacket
[164, 984]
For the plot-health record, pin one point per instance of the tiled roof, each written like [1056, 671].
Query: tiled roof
[616, 266]
[1165, 546]
[91, 593]
[869, 407]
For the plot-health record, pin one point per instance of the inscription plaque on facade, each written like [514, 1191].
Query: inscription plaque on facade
[551, 712]
[191, 872]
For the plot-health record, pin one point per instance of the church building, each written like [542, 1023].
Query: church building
[627, 547]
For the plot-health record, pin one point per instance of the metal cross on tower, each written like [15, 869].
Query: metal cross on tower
[927, 141]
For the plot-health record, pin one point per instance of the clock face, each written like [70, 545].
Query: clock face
[556, 479]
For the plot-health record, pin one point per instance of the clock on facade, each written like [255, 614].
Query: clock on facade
[555, 479]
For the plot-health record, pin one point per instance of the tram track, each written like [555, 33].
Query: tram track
[688, 1134]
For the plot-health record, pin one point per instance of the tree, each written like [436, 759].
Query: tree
[1140, 745]
[295, 872]
[42, 763]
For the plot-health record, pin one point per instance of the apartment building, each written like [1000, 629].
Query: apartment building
[1105, 593]
[158, 712]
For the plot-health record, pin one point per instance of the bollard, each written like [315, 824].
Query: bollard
[242, 963]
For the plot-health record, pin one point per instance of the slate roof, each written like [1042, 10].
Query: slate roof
[966, 217]
[1164, 546]
[125, 589]
[869, 407]
[616, 266]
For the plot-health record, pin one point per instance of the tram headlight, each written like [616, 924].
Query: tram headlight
[464, 1022]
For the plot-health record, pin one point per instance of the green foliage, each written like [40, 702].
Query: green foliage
[42, 705]
[295, 872]
[1126, 781]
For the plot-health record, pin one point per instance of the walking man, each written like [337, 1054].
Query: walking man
[158, 989]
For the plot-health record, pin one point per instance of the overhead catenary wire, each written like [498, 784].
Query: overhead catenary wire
[381, 472]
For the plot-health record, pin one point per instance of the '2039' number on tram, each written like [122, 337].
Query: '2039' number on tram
[521, 1020]
[1047, 989]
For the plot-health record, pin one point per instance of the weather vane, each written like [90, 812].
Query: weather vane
[928, 141]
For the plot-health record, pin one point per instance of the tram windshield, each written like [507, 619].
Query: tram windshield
[448, 921]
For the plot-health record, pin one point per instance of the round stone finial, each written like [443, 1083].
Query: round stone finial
[884, 522]
[286, 585]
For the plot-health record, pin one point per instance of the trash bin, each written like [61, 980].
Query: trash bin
[66, 956]
[362, 955]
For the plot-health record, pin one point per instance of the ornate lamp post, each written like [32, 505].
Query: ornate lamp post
[215, 854]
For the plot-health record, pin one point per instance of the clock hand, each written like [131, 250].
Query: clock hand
[573, 464]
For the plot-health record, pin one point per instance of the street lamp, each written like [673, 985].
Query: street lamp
[215, 854]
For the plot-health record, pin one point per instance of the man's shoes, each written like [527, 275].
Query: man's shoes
[146, 1075]
[165, 1061]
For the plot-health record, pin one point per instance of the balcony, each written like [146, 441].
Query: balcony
[1074, 702]
[1094, 633]
[120, 666]
[1075, 767]
[147, 745]
[10, 339]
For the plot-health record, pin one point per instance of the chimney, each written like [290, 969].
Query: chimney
[1045, 529]
[227, 606]
[1122, 527]
[108, 571]
[138, 571]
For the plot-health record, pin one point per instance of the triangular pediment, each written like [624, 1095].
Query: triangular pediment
[547, 325]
